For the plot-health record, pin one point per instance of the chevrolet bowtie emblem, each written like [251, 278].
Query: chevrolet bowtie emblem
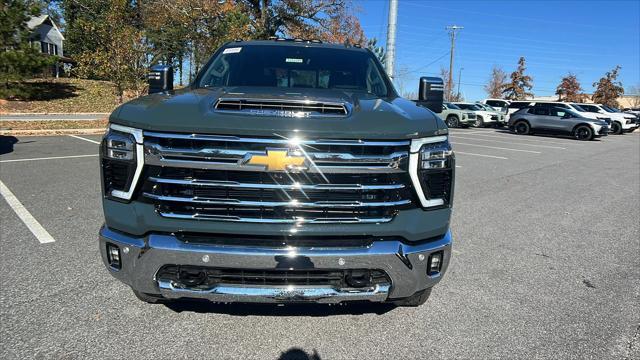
[277, 160]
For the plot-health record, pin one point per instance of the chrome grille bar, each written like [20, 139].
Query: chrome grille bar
[238, 185]
[340, 220]
[292, 204]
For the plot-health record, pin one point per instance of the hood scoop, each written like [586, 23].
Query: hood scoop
[282, 108]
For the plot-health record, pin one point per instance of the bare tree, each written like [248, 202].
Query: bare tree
[496, 82]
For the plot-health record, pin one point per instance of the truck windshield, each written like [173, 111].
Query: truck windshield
[295, 67]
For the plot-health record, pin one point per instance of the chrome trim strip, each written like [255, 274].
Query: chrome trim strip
[274, 141]
[237, 155]
[293, 203]
[156, 159]
[265, 294]
[234, 184]
[352, 220]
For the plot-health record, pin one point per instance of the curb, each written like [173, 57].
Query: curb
[98, 131]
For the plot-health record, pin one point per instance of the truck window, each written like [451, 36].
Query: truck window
[295, 67]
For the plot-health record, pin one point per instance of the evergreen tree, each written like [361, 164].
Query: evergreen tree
[18, 58]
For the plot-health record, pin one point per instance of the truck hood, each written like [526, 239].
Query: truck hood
[192, 111]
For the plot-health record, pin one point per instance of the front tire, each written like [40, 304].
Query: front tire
[479, 122]
[521, 127]
[583, 133]
[414, 300]
[452, 121]
[616, 128]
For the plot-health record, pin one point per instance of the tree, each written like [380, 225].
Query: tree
[569, 89]
[496, 82]
[18, 59]
[121, 57]
[328, 20]
[608, 89]
[520, 83]
[448, 93]
[378, 51]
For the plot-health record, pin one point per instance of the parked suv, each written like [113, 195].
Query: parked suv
[288, 171]
[502, 119]
[544, 119]
[483, 117]
[500, 105]
[455, 117]
[620, 122]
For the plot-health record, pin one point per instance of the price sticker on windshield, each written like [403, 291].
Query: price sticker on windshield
[233, 50]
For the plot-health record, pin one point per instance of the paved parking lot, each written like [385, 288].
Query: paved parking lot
[546, 265]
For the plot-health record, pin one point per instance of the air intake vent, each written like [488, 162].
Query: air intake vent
[282, 108]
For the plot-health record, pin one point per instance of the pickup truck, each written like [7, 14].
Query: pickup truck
[287, 171]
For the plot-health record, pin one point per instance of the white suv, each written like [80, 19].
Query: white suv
[620, 122]
[499, 105]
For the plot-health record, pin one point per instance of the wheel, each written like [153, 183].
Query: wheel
[479, 122]
[521, 127]
[149, 298]
[583, 132]
[616, 128]
[452, 121]
[416, 299]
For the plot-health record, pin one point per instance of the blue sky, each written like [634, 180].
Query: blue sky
[585, 37]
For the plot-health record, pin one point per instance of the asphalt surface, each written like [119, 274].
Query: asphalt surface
[546, 265]
[41, 117]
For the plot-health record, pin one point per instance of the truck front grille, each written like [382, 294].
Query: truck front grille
[204, 177]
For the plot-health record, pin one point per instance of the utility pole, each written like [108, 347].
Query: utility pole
[391, 37]
[459, 77]
[452, 33]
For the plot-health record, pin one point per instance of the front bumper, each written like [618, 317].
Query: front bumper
[405, 265]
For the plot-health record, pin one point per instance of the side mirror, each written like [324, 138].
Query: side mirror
[160, 79]
[431, 93]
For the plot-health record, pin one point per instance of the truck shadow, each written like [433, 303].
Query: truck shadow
[295, 309]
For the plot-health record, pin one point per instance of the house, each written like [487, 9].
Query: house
[46, 35]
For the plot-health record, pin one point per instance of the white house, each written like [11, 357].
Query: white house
[48, 37]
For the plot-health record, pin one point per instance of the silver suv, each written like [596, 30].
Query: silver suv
[544, 119]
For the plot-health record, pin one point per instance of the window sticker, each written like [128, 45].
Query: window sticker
[294, 60]
[233, 50]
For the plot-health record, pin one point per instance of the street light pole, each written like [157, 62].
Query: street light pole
[452, 33]
[391, 37]
[459, 77]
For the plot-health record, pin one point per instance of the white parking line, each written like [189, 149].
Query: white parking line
[34, 226]
[85, 139]
[508, 142]
[522, 138]
[48, 158]
[497, 148]
[482, 155]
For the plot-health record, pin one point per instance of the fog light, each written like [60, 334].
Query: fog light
[434, 265]
[113, 256]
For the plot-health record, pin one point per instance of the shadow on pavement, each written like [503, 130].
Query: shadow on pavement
[6, 144]
[299, 354]
[249, 309]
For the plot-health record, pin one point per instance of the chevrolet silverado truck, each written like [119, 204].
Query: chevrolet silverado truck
[287, 171]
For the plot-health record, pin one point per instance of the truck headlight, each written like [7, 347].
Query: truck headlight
[121, 161]
[432, 166]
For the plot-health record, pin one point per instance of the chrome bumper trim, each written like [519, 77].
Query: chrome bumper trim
[405, 264]
[325, 295]
[298, 220]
